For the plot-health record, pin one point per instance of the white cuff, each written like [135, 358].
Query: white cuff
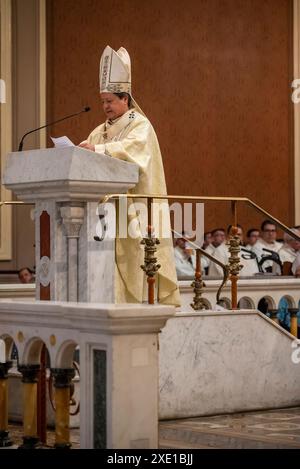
[100, 148]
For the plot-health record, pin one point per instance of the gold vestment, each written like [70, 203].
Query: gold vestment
[132, 138]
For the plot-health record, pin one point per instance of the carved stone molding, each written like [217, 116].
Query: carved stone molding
[72, 219]
[45, 271]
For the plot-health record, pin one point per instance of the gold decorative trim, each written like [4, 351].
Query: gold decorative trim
[198, 285]
[105, 198]
[52, 340]
[6, 124]
[20, 336]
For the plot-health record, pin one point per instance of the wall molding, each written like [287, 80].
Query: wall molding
[6, 124]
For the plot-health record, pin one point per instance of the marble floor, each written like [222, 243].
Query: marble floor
[273, 429]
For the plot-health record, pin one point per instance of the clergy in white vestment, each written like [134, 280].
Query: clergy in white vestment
[128, 135]
[252, 237]
[267, 241]
[296, 266]
[185, 259]
[184, 263]
[220, 251]
[287, 253]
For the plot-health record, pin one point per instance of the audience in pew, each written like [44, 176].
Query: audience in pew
[287, 253]
[281, 258]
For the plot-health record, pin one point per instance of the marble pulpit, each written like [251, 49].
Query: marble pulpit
[65, 185]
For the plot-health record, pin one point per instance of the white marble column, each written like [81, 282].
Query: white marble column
[97, 258]
[72, 220]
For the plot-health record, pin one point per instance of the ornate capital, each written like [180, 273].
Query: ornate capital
[293, 312]
[72, 218]
[62, 377]
[273, 314]
[29, 373]
[4, 367]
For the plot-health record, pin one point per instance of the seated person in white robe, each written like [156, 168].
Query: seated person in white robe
[287, 253]
[219, 250]
[268, 241]
[252, 237]
[185, 259]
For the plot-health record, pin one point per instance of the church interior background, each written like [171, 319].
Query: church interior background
[215, 78]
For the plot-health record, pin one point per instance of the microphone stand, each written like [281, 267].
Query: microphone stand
[86, 109]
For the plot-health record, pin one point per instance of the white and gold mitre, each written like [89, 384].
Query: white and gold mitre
[115, 71]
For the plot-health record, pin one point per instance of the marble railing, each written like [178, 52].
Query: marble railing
[103, 332]
[250, 292]
[118, 374]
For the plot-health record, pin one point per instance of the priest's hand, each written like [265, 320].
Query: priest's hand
[86, 145]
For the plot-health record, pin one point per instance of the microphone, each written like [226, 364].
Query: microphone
[85, 109]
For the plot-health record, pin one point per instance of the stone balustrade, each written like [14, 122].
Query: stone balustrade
[250, 292]
[118, 362]
[116, 342]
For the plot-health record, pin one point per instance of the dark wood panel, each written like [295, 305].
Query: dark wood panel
[45, 235]
[213, 76]
[45, 249]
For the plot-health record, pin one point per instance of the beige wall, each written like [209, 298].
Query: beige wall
[5, 123]
[26, 107]
[213, 77]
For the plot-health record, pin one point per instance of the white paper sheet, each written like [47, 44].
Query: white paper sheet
[61, 142]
